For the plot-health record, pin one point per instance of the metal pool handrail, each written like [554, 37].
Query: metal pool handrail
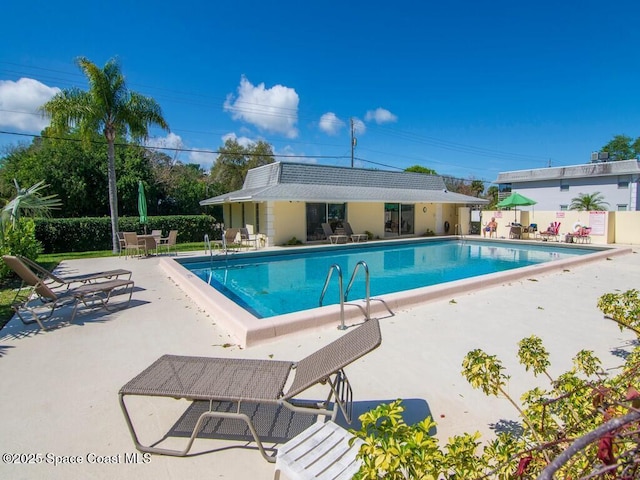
[364, 265]
[336, 267]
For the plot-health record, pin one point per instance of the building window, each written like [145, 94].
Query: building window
[564, 186]
[504, 190]
[622, 207]
[564, 208]
[623, 182]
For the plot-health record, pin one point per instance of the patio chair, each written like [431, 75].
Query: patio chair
[54, 280]
[241, 382]
[121, 243]
[332, 237]
[247, 239]
[169, 242]
[39, 296]
[230, 239]
[582, 235]
[133, 244]
[552, 232]
[355, 237]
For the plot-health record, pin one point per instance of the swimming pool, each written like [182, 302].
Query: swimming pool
[290, 281]
[239, 313]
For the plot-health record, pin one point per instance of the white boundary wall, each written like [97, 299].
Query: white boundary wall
[607, 227]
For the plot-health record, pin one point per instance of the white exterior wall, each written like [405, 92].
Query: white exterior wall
[549, 196]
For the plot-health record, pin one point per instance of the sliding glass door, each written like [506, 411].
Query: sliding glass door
[318, 213]
[398, 219]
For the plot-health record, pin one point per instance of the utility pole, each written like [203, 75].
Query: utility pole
[354, 141]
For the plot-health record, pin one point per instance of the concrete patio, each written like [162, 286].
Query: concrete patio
[60, 387]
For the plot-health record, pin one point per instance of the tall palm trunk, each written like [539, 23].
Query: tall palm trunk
[113, 193]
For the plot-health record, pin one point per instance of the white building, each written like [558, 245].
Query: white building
[555, 187]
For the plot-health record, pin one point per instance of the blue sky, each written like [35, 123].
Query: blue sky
[468, 88]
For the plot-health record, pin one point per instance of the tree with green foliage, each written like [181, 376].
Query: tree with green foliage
[110, 107]
[477, 187]
[235, 160]
[421, 169]
[622, 147]
[75, 171]
[588, 202]
[492, 196]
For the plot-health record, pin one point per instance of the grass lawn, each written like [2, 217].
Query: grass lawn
[50, 261]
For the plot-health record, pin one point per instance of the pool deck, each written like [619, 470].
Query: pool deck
[60, 387]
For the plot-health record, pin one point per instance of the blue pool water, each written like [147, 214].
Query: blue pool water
[275, 283]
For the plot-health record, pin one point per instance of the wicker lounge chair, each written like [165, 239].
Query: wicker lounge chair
[54, 280]
[332, 237]
[40, 297]
[253, 382]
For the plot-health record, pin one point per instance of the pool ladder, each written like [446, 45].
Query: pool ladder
[344, 294]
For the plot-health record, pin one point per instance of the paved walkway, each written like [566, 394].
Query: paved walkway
[59, 388]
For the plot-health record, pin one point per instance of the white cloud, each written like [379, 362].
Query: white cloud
[170, 141]
[380, 116]
[203, 158]
[330, 123]
[358, 126]
[242, 141]
[19, 103]
[288, 154]
[272, 109]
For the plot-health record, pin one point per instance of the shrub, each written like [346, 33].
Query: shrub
[293, 241]
[586, 424]
[20, 240]
[86, 234]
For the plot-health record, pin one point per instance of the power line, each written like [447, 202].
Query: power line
[218, 152]
[171, 149]
[240, 107]
[402, 170]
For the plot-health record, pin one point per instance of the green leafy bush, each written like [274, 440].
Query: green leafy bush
[59, 235]
[585, 424]
[20, 240]
[293, 241]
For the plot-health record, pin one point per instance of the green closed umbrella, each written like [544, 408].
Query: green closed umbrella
[515, 200]
[142, 205]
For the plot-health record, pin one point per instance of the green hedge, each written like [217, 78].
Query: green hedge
[60, 235]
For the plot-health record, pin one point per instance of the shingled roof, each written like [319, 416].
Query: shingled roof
[282, 181]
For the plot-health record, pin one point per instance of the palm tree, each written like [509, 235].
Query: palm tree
[28, 202]
[108, 106]
[588, 202]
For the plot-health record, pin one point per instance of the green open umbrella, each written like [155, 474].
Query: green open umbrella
[142, 205]
[515, 200]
